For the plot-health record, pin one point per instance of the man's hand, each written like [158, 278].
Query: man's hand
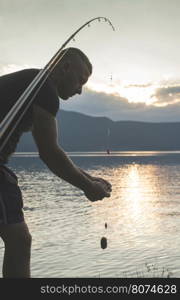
[98, 191]
[107, 184]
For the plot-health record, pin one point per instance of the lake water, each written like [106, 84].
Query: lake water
[142, 216]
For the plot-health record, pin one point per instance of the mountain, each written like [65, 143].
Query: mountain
[79, 132]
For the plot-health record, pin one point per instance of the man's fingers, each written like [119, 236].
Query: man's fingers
[108, 185]
[107, 195]
[110, 189]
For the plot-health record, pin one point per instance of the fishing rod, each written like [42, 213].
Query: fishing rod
[21, 106]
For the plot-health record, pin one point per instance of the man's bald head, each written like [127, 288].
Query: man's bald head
[71, 73]
[76, 55]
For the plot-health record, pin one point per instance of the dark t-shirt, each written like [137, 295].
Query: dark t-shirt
[11, 88]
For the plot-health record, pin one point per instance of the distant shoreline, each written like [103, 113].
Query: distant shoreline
[104, 153]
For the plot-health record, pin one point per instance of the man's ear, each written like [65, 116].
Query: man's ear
[66, 66]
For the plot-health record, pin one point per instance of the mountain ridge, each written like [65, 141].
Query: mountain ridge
[80, 132]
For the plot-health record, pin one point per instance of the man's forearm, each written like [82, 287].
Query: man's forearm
[62, 166]
[86, 174]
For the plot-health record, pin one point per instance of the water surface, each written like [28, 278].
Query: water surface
[142, 216]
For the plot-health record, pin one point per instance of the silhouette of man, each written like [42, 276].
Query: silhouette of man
[66, 80]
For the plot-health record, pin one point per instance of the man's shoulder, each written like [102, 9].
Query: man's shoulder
[26, 73]
[29, 71]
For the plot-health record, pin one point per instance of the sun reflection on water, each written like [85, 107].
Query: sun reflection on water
[133, 207]
[135, 192]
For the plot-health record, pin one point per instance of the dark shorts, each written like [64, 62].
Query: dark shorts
[11, 202]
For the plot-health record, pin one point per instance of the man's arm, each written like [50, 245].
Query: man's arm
[45, 134]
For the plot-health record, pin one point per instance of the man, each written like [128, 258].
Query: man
[66, 80]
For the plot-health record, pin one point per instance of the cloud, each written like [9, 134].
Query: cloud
[138, 85]
[167, 95]
[118, 108]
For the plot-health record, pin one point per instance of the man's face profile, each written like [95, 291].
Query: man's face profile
[75, 75]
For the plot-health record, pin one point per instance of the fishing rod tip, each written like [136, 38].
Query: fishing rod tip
[111, 24]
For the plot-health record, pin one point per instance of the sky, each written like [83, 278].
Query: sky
[136, 68]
